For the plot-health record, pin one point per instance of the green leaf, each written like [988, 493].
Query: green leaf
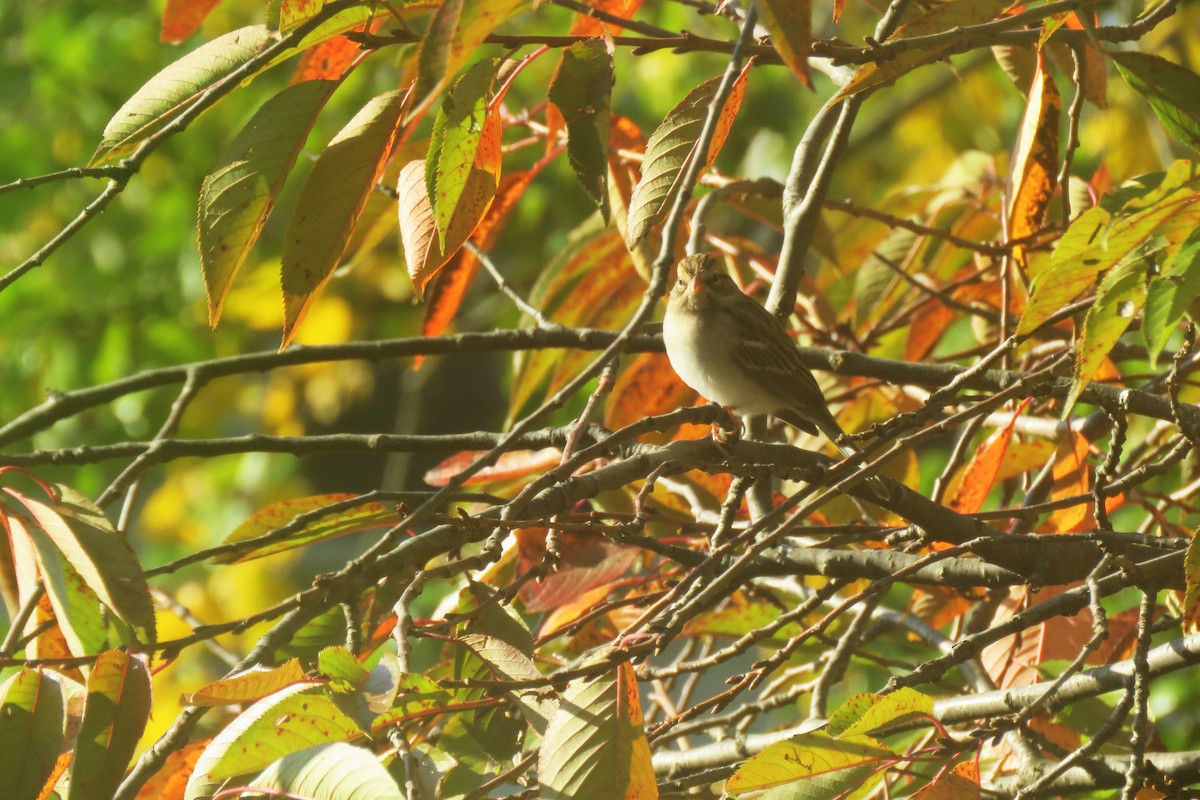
[582, 89]
[1173, 91]
[176, 87]
[31, 732]
[329, 204]
[864, 713]
[594, 747]
[303, 514]
[433, 61]
[1099, 239]
[820, 765]
[237, 197]
[115, 711]
[507, 663]
[247, 687]
[671, 147]
[1120, 297]
[337, 771]
[344, 671]
[295, 718]
[790, 24]
[940, 18]
[77, 610]
[414, 694]
[454, 143]
[101, 556]
[1169, 295]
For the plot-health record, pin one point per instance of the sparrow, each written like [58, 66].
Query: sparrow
[731, 350]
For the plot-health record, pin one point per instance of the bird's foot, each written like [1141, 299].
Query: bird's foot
[728, 432]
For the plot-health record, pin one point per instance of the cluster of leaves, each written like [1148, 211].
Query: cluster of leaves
[576, 612]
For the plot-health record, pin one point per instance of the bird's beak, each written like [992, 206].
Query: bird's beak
[695, 287]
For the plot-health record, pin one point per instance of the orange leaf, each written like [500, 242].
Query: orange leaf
[1071, 478]
[927, 327]
[330, 59]
[648, 386]
[960, 783]
[587, 562]
[171, 779]
[1035, 159]
[981, 473]
[514, 464]
[422, 251]
[446, 292]
[182, 18]
[587, 25]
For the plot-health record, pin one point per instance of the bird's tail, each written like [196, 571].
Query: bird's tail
[842, 442]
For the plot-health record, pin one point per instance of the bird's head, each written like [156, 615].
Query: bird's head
[702, 282]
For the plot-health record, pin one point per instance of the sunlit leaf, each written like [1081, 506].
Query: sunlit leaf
[1173, 91]
[1072, 477]
[959, 783]
[790, 24]
[176, 87]
[507, 663]
[170, 781]
[648, 386]
[31, 732]
[876, 276]
[101, 556]
[1169, 295]
[454, 144]
[330, 59]
[511, 464]
[336, 771]
[585, 562]
[819, 765]
[1119, 299]
[294, 12]
[581, 91]
[290, 720]
[940, 18]
[671, 147]
[594, 747]
[458, 27]
[237, 196]
[319, 527]
[114, 715]
[182, 18]
[1098, 239]
[247, 687]
[984, 467]
[1035, 160]
[344, 671]
[863, 713]
[329, 204]
[423, 252]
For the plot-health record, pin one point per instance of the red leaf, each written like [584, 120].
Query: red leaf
[515, 464]
[587, 562]
[182, 18]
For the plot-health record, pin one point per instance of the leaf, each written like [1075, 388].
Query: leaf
[594, 747]
[455, 141]
[336, 771]
[176, 87]
[171, 779]
[101, 556]
[512, 464]
[671, 147]
[445, 293]
[329, 204]
[311, 526]
[1120, 297]
[115, 711]
[423, 252]
[31, 732]
[1071, 478]
[344, 671]
[456, 31]
[984, 467]
[878, 274]
[581, 90]
[790, 25]
[1173, 91]
[286, 722]
[959, 783]
[182, 18]
[237, 197]
[588, 25]
[1169, 295]
[827, 766]
[507, 663]
[294, 12]
[585, 563]
[864, 713]
[247, 687]
[1035, 160]
[1098, 239]
[648, 386]
[940, 18]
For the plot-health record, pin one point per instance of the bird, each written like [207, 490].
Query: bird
[730, 349]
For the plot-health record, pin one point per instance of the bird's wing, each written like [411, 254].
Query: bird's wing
[771, 359]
